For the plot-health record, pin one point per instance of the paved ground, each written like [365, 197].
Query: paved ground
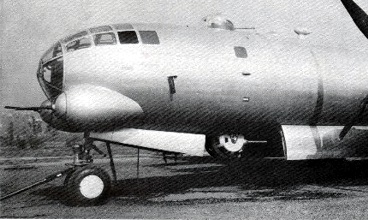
[192, 189]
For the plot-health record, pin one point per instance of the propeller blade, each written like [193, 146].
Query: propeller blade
[355, 120]
[359, 16]
[26, 108]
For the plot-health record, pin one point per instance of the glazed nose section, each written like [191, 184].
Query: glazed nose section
[90, 107]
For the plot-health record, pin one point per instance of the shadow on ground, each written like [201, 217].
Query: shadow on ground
[278, 180]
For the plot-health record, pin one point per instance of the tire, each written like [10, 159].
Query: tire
[88, 186]
[67, 178]
[218, 149]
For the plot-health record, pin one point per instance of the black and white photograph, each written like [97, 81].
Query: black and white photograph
[173, 109]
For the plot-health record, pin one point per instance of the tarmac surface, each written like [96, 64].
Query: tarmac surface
[195, 188]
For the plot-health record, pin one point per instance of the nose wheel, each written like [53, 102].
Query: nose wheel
[87, 185]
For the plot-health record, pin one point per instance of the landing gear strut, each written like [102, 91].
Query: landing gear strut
[88, 184]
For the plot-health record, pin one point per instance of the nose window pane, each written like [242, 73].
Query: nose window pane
[105, 39]
[77, 35]
[149, 37]
[78, 44]
[128, 37]
[54, 51]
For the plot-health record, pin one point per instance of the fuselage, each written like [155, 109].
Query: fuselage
[200, 80]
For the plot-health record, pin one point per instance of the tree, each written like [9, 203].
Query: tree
[33, 125]
[51, 130]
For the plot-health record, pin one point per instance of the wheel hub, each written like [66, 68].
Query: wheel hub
[91, 186]
[232, 143]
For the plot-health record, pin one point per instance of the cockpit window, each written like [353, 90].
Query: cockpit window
[58, 51]
[149, 37]
[77, 35]
[50, 76]
[54, 51]
[128, 37]
[53, 71]
[105, 39]
[100, 29]
[78, 44]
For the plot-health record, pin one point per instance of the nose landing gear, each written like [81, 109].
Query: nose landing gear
[88, 184]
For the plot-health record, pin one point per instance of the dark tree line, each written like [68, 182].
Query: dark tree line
[27, 134]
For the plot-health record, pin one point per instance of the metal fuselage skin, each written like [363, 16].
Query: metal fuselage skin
[277, 83]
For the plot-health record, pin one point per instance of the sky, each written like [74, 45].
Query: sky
[30, 27]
